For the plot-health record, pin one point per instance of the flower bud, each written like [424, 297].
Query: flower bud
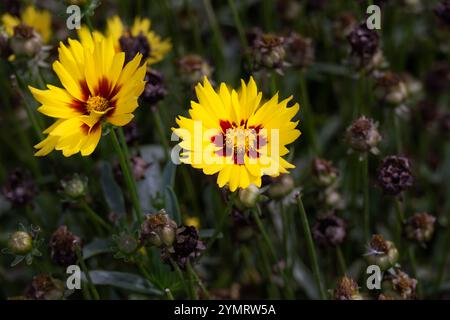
[363, 135]
[442, 11]
[63, 245]
[155, 90]
[329, 230]
[299, 50]
[248, 197]
[268, 51]
[391, 88]
[364, 43]
[347, 289]
[324, 172]
[158, 230]
[20, 243]
[19, 188]
[419, 227]
[381, 252]
[25, 41]
[394, 175]
[44, 287]
[76, 187]
[281, 186]
[399, 285]
[193, 68]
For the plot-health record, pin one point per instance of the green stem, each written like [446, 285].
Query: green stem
[162, 135]
[310, 246]
[307, 114]
[365, 166]
[129, 180]
[180, 275]
[239, 27]
[262, 230]
[86, 272]
[169, 294]
[95, 218]
[341, 260]
[398, 134]
[212, 19]
[198, 280]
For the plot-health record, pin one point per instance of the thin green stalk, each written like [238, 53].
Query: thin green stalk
[398, 134]
[162, 135]
[239, 26]
[400, 221]
[310, 247]
[95, 218]
[286, 228]
[169, 294]
[86, 272]
[180, 275]
[307, 114]
[198, 280]
[262, 230]
[365, 175]
[341, 260]
[129, 180]
[218, 38]
[89, 22]
[267, 270]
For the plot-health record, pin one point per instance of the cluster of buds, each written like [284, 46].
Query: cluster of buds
[158, 230]
[186, 248]
[442, 11]
[398, 285]
[364, 44]
[268, 51]
[325, 177]
[381, 252]
[193, 68]
[155, 89]
[363, 135]
[134, 45]
[75, 188]
[419, 227]
[300, 51]
[19, 188]
[329, 230]
[45, 287]
[391, 88]
[63, 247]
[394, 175]
[347, 289]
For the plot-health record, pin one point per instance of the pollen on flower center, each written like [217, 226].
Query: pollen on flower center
[240, 139]
[97, 103]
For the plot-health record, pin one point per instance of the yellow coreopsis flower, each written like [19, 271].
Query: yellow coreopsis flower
[138, 38]
[237, 136]
[40, 20]
[97, 87]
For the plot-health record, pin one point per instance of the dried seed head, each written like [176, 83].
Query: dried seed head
[324, 172]
[158, 230]
[155, 89]
[363, 135]
[299, 50]
[45, 287]
[268, 51]
[364, 43]
[394, 175]
[134, 45]
[20, 243]
[63, 245]
[281, 186]
[442, 11]
[193, 68]
[381, 252]
[399, 285]
[420, 227]
[391, 88]
[19, 188]
[25, 41]
[347, 289]
[329, 230]
[186, 248]
[76, 187]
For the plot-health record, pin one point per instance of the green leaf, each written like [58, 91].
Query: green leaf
[97, 246]
[172, 207]
[123, 280]
[168, 178]
[111, 191]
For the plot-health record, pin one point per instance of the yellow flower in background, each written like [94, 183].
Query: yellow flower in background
[138, 38]
[236, 135]
[97, 87]
[40, 20]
